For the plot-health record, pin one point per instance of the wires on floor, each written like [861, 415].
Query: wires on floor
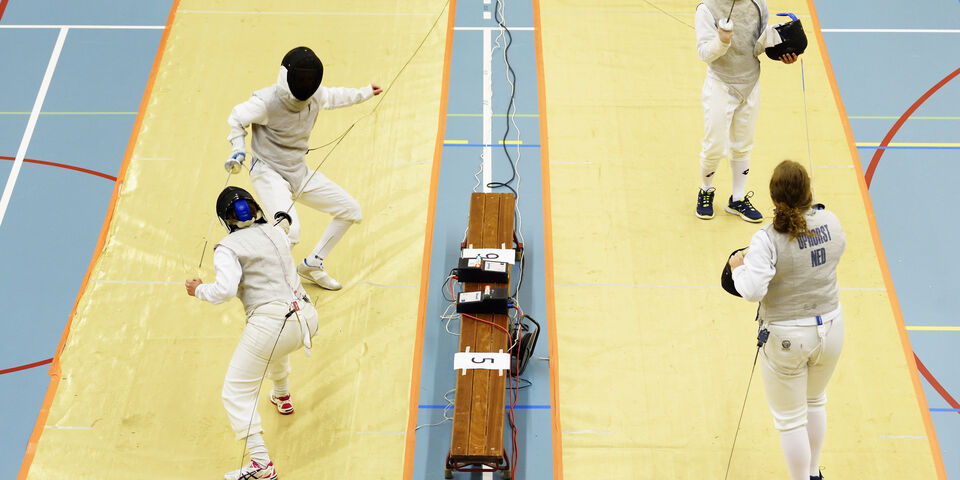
[448, 398]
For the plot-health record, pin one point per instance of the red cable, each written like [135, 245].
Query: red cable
[514, 394]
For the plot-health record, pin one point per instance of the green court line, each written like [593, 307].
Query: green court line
[495, 115]
[874, 117]
[70, 113]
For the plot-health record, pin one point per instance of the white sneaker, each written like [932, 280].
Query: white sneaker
[318, 275]
[284, 404]
[252, 471]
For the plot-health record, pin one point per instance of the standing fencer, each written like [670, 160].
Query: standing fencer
[253, 262]
[790, 267]
[730, 44]
[282, 116]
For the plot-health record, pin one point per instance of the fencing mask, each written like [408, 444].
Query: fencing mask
[794, 40]
[304, 72]
[726, 277]
[237, 209]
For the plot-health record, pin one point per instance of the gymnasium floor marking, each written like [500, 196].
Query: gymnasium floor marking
[31, 124]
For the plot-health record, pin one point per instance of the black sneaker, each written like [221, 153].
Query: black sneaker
[818, 477]
[705, 203]
[745, 209]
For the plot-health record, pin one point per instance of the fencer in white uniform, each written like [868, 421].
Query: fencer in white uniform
[281, 118]
[790, 267]
[731, 95]
[253, 263]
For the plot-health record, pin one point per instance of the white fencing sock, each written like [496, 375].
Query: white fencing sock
[281, 387]
[796, 450]
[706, 178]
[332, 235]
[257, 449]
[816, 431]
[740, 169]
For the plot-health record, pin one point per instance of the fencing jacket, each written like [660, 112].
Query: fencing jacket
[736, 63]
[255, 264]
[796, 278]
[281, 124]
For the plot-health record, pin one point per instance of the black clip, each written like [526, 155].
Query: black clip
[762, 336]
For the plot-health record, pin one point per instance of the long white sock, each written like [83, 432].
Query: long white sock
[740, 169]
[816, 431]
[331, 236]
[257, 449]
[281, 387]
[706, 178]
[796, 450]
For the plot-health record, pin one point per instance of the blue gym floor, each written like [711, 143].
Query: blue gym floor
[881, 74]
[50, 229]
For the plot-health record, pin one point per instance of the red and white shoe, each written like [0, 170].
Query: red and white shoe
[253, 471]
[284, 405]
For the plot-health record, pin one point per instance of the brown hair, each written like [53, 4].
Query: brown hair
[792, 197]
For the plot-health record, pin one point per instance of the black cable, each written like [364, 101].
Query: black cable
[443, 288]
[511, 105]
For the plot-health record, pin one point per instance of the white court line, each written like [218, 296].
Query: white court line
[330, 13]
[139, 282]
[497, 28]
[581, 432]
[571, 163]
[633, 285]
[90, 27]
[889, 30]
[31, 124]
[487, 152]
[381, 285]
[902, 436]
[380, 433]
[152, 158]
[162, 282]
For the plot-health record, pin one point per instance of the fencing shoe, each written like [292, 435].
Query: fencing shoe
[253, 471]
[705, 203]
[284, 405]
[317, 275]
[744, 209]
[818, 477]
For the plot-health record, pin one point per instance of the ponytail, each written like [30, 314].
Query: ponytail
[792, 197]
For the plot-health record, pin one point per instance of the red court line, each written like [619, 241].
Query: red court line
[54, 371]
[881, 257]
[410, 445]
[24, 367]
[933, 383]
[3, 6]
[900, 121]
[63, 165]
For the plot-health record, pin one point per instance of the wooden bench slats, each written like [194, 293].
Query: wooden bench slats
[480, 394]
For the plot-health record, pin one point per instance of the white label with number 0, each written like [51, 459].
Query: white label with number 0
[506, 255]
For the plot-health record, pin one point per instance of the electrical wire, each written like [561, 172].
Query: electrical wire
[336, 141]
[206, 238]
[445, 409]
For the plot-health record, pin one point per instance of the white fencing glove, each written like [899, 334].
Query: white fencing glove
[235, 163]
[770, 37]
[725, 30]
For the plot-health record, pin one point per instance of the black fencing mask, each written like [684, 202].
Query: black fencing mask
[726, 277]
[237, 209]
[792, 36]
[304, 72]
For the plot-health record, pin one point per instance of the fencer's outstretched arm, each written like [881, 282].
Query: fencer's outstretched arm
[242, 116]
[228, 269]
[709, 46]
[759, 266]
[336, 97]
